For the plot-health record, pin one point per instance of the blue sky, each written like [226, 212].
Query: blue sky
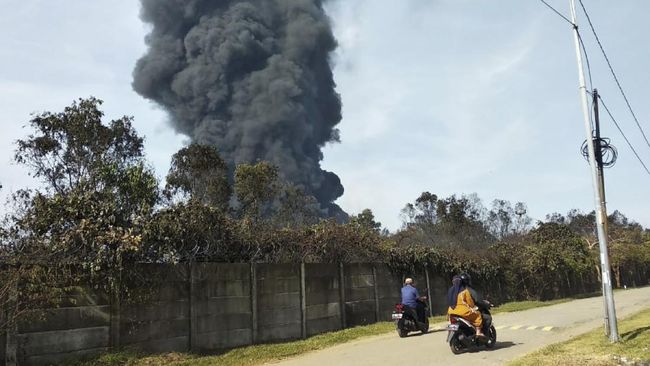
[449, 96]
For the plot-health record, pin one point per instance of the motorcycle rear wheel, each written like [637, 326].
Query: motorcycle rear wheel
[402, 332]
[455, 345]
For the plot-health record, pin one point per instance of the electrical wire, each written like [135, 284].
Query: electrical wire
[623, 134]
[611, 69]
[582, 43]
[558, 13]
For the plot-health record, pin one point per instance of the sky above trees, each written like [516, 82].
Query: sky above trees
[446, 96]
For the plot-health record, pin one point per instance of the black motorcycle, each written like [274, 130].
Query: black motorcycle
[406, 320]
[462, 334]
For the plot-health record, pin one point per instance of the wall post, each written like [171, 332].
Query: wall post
[11, 346]
[426, 273]
[116, 291]
[253, 287]
[303, 301]
[193, 317]
[344, 322]
[374, 283]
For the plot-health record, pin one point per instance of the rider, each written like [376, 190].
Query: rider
[410, 298]
[463, 301]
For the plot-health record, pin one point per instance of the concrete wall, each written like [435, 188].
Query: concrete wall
[438, 287]
[206, 307]
[3, 339]
[221, 306]
[323, 298]
[80, 328]
[360, 301]
[164, 323]
[279, 314]
[388, 291]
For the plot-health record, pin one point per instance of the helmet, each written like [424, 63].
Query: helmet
[465, 279]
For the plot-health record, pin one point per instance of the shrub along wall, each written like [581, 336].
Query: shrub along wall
[205, 307]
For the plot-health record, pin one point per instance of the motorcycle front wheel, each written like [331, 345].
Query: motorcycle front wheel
[492, 337]
[425, 327]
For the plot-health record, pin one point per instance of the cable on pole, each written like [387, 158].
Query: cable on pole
[623, 134]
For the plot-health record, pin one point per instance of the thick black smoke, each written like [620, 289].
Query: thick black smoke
[251, 77]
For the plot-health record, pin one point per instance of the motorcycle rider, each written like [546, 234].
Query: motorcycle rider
[464, 301]
[410, 298]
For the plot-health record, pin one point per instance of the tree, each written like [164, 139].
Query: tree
[97, 191]
[197, 171]
[554, 256]
[73, 147]
[504, 221]
[366, 220]
[296, 208]
[256, 187]
[447, 222]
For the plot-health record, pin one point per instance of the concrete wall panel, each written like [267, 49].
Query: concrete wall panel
[278, 303]
[44, 343]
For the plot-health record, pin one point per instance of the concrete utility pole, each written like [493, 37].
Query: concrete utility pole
[601, 212]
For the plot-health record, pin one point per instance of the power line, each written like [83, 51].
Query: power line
[611, 69]
[625, 137]
[558, 13]
[584, 49]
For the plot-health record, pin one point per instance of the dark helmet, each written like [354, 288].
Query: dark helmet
[465, 279]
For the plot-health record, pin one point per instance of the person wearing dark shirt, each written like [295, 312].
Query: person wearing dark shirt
[410, 298]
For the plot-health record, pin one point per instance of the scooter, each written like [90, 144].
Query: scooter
[406, 320]
[462, 334]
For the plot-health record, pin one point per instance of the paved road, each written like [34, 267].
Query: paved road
[517, 334]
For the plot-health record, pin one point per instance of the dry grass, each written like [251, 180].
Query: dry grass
[594, 349]
[251, 355]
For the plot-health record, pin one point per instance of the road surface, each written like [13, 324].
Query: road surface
[518, 333]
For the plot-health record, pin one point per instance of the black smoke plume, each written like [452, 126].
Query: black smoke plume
[251, 77]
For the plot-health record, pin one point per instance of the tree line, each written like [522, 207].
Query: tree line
[100, 209]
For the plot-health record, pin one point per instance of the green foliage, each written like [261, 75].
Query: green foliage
[86, 220]
[366, 220]
[99, 211]
[73, 147]
[198, 172]
[296, 208]
[191, 231]
[256, 186]
[453, 222]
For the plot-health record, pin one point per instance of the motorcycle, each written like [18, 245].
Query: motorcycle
[406, 320]
[462, 334]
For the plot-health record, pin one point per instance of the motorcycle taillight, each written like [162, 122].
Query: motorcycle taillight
[453, 320]
[399, 307]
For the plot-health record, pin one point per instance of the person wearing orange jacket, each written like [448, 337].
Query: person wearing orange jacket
[462, 301]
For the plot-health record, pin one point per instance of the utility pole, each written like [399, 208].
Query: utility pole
[601, 213]
[599, 157]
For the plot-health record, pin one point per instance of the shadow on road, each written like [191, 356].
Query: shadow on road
[498, 346]
[418, 334]
[506, 344]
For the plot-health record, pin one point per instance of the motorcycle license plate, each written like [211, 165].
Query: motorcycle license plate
[453, 327]
[396, 316]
